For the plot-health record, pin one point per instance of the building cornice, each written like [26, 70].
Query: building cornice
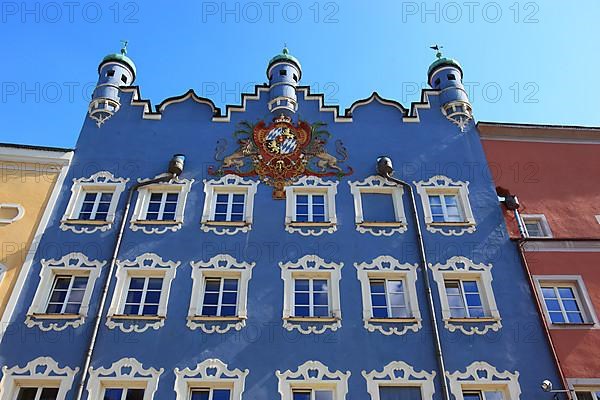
[34, 154]
[515, 132]
[562, 245]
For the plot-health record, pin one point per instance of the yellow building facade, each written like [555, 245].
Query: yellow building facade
[30, 181]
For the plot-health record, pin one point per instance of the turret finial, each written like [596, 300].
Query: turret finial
[285, 49]
[124, 47]
[438, 50]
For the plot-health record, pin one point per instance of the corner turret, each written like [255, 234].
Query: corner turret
[284, 73]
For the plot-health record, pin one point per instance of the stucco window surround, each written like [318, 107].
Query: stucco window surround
[399, 373]
[212, 373]
[378, 185]
[11, 212]
[460, 268]
[148, 265]
[126, 373]
[221, 266]
[40, 372]
[387, 267]
[440, 185]
[542, 228]
[139, 219]
[590, 319]
[230, 185]
[313, 375]
[100, 182]
[311, 267]
[590, 387]
[482, 376]
[70, 265]
[310, 185]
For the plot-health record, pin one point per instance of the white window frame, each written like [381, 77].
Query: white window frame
[304, 378]
[102, 181]
[126, 373]
[461, 268]
[211, 373]
[40, 372]
[583, 300]
[310, 185]
[440, 185]
[389, 268]
[145, 265]
[228, 184]
[220, 266]
[18, 209]
[311, 266]
[541, 220]
[378, 185]
[482, 376]
[138, 219]
[583, 385]
[73, 264]
[400, 374]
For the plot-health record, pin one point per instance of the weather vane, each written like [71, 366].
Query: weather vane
[124, 48]
[438, 50]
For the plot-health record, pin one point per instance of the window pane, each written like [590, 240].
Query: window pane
[497, 395]
[27, 393]
[155, 283]
[377, 286]
[152, 297]
[150, 310]
[172, 197]
[228, 311]
[209, 311]
[584, 396]
[301, 298]
[320, 299]
[302, 311]
[380, 312]
[49, 394]
[301, 285]
[301, 395]
[302, 199]
[566, 293]
[552, 305]
[213, 285]
[323, 395]
[548, 293]
[113, 394]
[472, 395]
[321, 311]
[400, 312]
[575, 317]
[135, 394]
[131, 309]
[137, 283]
[378, 207]
[570, 305]
[230, 298]
[399, 393]
[320, 285]
[221, 394]
[557, 317]
[230, 284]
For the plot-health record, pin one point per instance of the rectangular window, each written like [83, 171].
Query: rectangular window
[399, 393]
[464, 299]
[220, 297]
[311, 394]
[143, 296]
[378, 207]
[67, 294]
[123, 394]
[162, 206]
[311, 298]
[562, 304]
[445, 208]
[211, 394]
[388, 299]
[588, 394]
[230, 207]
[95, 206]
[483, 395]
[311, 207]
[33, 393]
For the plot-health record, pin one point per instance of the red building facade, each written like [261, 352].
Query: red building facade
[553, 171]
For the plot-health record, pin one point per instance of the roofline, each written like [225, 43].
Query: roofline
[523, 132]
[25, 153]
[541, 126]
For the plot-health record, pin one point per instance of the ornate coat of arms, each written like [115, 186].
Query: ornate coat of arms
[280, 153]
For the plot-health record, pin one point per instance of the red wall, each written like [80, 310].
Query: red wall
[562, 182]
[558, 180]
[578, 349]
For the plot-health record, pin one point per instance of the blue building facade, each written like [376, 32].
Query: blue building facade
[269, 260]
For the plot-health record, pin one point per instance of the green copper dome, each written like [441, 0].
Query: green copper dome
[443, 61]
[121, 58]
[285, 56]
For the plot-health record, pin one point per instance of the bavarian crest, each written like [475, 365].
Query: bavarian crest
[279, 153]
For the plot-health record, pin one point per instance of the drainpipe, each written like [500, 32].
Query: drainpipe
[512, 204]
[175, 169]
[385, 169]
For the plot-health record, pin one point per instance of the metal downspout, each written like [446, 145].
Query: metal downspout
[108, 278]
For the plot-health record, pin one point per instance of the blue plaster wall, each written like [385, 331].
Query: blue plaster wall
[129, 146]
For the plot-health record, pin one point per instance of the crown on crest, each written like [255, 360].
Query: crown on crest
[282, 118]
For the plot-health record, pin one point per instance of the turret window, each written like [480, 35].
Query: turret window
[295, 78]
[283, 72]
[110, 73]
[451, 77]
[437, 82]
[123, 78]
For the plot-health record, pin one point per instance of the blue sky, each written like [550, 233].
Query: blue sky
[523, 61]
